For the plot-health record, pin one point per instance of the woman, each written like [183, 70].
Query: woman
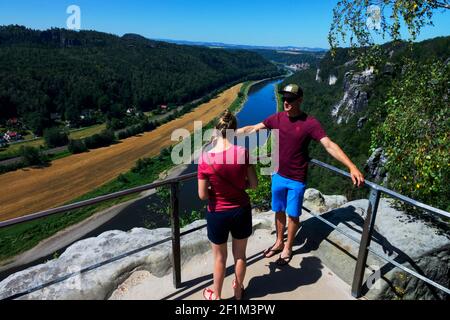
[224, 173]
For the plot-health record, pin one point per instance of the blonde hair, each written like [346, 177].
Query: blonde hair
[226, 121]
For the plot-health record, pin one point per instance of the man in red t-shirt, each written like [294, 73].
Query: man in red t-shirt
[296, 129]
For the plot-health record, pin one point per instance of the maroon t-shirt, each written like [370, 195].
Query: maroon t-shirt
[228, 179]
[294, 137]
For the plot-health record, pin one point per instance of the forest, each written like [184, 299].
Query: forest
[89, 77]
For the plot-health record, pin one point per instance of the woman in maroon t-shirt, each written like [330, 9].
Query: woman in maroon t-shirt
[224, 172]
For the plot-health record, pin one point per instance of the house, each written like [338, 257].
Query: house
[163, 107]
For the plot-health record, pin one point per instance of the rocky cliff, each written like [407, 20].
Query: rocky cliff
[356, 95]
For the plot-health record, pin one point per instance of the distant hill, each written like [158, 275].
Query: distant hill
[243, 46]
[67, 72]
[312, 58]
[287, 55]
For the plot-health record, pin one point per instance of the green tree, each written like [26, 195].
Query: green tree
[416, 134]
[413, 119]
[357, 21]
[56, 137]
[77, 146]
[37, 122]
[32, 156]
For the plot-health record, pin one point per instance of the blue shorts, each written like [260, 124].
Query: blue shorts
[287, 195]
[237, 221]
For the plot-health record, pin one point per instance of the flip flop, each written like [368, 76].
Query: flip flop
[208, 294]
[282, 261]
[269, 252]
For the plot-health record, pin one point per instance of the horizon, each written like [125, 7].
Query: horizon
[200, 43]
[232, 23]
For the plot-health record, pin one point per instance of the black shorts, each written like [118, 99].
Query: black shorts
[237, 221]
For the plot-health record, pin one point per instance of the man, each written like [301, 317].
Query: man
[296, 129]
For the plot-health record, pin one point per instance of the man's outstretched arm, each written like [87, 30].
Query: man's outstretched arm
[337, 153]
[250, 129]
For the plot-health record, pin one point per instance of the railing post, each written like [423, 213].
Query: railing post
[175, 222]
[366, 237]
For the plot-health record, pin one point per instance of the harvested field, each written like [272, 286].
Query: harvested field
[29, 190]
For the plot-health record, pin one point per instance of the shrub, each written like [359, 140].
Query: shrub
[11, 167]
[415, 134]
[123, 179]
[56, 137]
[115, 124]
[123, 134]
[32, 156]
[102, 139]
[77, 146]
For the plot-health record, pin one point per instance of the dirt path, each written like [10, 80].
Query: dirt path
[29, 190]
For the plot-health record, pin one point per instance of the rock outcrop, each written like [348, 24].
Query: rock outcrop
[361, 122]
[99, 282]
[407, 240]
[318, 78]
[375, 167]
[355, 95]
[332, 80]
[315, 201]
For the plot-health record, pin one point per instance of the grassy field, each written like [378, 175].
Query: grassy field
[13, 149]
[87, 132]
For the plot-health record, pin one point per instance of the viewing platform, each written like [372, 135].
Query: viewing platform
[304, 278]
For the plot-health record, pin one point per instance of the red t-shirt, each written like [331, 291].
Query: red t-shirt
[228, 181]
[294, 137]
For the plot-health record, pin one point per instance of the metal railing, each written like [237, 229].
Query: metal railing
[364, 243]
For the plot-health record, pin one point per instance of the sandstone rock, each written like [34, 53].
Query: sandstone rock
[355, 95]
[318, 78]
[350, 63]
[97, 283]
[388, 68]
[375, 166]
[314, 200]
[361, 122]
[410, 242]
[332, 80]
[101, 281]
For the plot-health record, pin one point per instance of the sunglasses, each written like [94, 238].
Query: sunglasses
[289, 99]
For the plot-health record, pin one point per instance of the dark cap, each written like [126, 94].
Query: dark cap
[292, 89]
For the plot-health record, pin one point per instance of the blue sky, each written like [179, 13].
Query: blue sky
[287, 22]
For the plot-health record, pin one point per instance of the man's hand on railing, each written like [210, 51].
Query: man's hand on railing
[357, 176]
